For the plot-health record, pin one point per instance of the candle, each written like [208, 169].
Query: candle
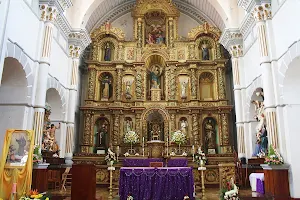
[14, 188]
[143, 141]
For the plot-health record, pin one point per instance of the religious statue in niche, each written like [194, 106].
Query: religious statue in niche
[49, 142]
[106, 87]
[205, 51]
[155, 74]
[128, 125]
[101, 135]
[155, 28]
[183, 85]
[184, 125]
[107, 52]
[210, 135]
[128, 94]
[261, 148]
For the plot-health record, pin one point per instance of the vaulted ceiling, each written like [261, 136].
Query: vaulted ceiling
[101, 11]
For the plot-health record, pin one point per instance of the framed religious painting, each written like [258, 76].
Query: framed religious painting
[18, 147]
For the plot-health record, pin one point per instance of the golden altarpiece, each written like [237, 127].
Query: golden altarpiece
[155, 85]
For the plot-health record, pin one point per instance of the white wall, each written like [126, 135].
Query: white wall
[125, 23]
[23, 27]
[185, 24]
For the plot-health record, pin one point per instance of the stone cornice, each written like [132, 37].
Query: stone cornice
[80, 38]
[230, 37]
[61, 5]
[247, 24]
[248, 5]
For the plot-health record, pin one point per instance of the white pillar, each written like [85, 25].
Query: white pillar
[4, 8]
[236, 51]
[261, 13]
[48, 14]
[74, 54]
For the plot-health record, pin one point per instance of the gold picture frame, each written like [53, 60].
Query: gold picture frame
[18, 147]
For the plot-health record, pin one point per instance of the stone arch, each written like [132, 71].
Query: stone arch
[284, 63]
[291, 100]
[54, 83]
[14, 97]
[14, 51]
[54, 100]
[257, 83]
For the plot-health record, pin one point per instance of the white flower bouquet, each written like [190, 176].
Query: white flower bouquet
[178, 137]
[131, 137]
[200, 157]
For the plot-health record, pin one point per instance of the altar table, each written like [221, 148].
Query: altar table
[140, 162]
[148, 183]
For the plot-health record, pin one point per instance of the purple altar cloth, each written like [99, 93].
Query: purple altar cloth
[260, 186]
[132, 162]
[178, 162]
[165, 183]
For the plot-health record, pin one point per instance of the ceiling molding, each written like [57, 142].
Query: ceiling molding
[113, 9]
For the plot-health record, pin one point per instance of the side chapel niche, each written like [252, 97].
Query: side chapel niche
[210, 134]
[101, 134]
[106, 86]
[107, 51]
[206, 86]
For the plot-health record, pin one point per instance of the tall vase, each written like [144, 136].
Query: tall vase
[201, 163]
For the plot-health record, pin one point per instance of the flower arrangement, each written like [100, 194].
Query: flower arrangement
[200, 157]
[131, 137]
[129, 197]
[273, 157]
[178, 137]
[230, 192]
[37, 155]
[34, 194]
[110, 157]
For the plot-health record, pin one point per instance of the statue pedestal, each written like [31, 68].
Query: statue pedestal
[155, 94]
[156, 148]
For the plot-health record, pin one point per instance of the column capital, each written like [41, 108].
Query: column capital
[236, 50]
[74, 51]
[232, 40]
[262, 12]
[48, 13]
[60, 5]
[78, 41]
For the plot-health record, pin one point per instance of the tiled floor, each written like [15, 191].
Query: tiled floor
[211, 194]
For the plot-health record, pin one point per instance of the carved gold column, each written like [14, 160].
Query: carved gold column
[95, 52]
[192, 52]
[119, 82]
[195, 128]
[193, 68]
[138, 126]
[116, 130]
[261, 13]
[172, 122]
[140, 32]
[172, 83]
[218, 51]
[92, 78]
[139, 86]
[144, 89]
[88, 136]
[225, 138]
[221, 82]
[171, 32]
